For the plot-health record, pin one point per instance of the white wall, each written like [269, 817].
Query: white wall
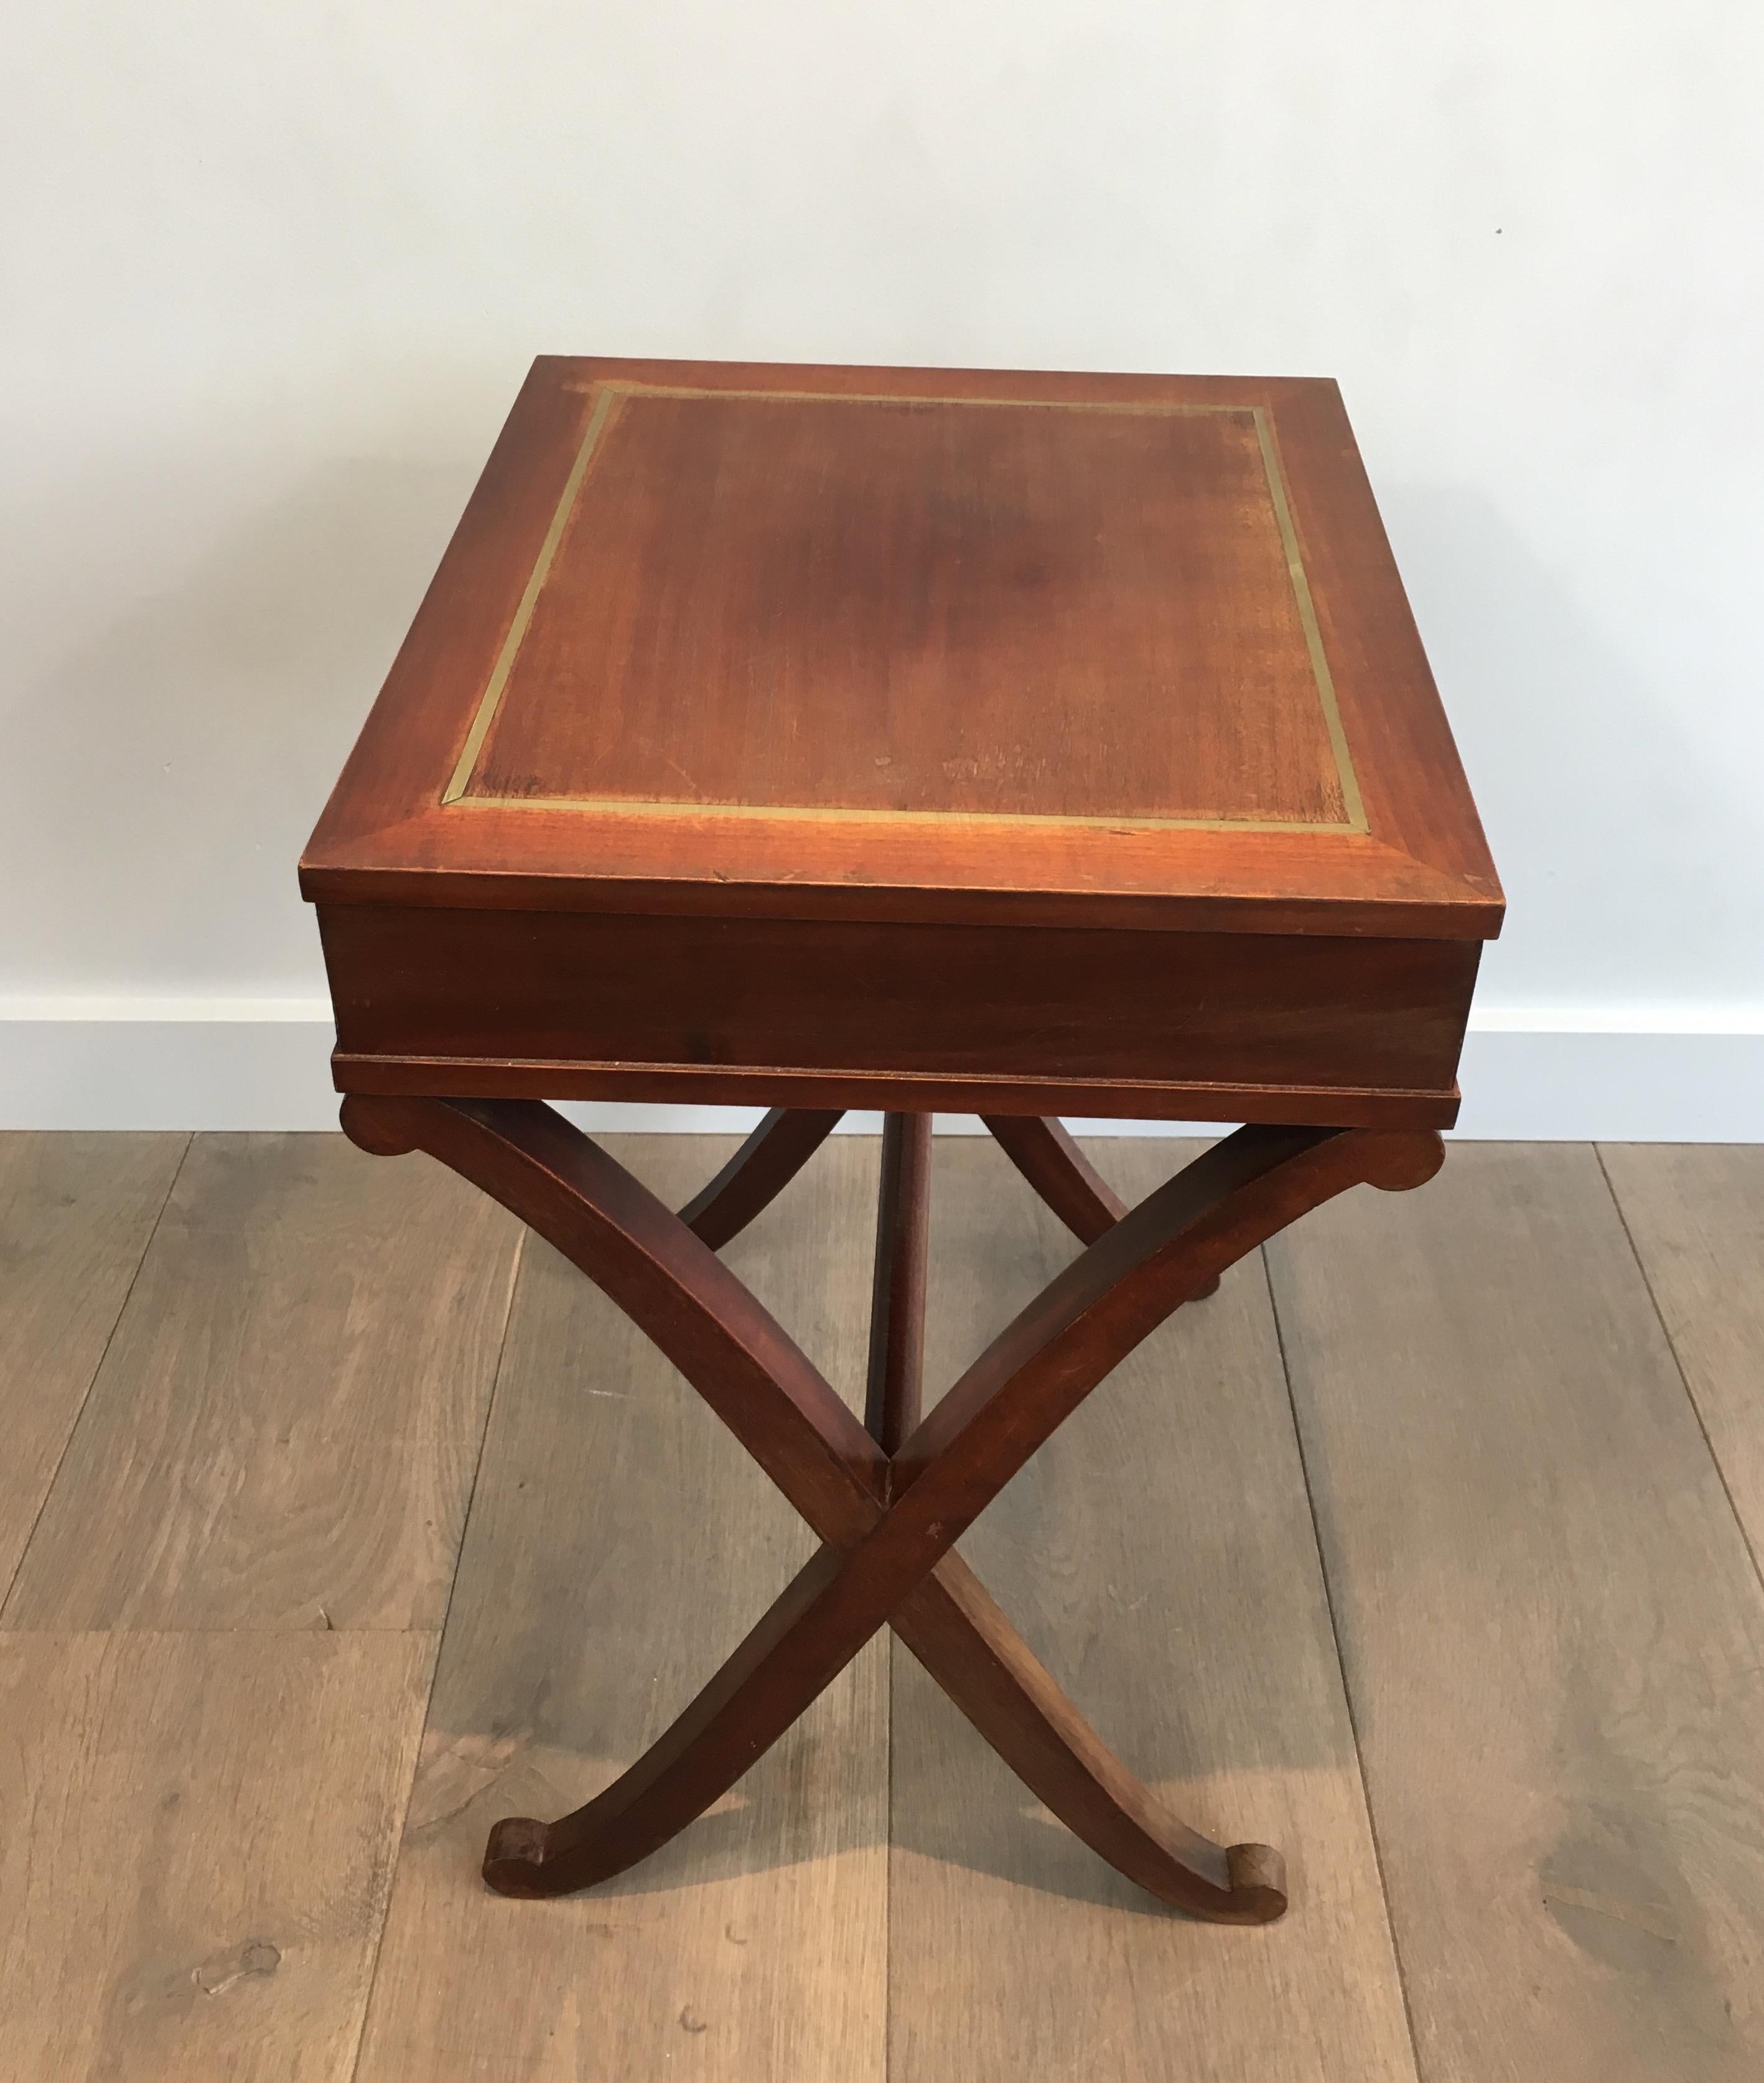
[270, 273]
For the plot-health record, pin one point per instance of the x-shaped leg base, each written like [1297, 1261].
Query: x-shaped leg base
[889, 1497]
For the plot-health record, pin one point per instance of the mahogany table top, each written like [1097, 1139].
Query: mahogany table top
[919, 644]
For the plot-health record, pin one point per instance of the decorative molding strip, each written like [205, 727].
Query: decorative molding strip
[1692, 1075]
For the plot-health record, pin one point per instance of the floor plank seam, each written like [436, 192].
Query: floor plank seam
[391, 1877]
[888, 1877]
[890, 1658]
[1684, 1378]
[110, 1339]
[440, 1637]
[201, 1633]
[1347, 1682]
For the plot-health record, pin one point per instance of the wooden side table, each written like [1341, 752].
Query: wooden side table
[1027, 744]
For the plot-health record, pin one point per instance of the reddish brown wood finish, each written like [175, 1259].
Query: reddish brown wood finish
[1419, 867]
[897, 1308]
[887, 1522]
[758, 1172]
[844, 600]
[1040, 1148]
[1010, 1018]
[1025, 743]
[1030, 743]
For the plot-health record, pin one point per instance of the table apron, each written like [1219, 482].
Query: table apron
[1349, 1031]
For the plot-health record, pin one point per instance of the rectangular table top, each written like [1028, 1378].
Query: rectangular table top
[918, 645]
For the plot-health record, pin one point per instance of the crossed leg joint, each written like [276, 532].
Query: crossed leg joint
[889, 1498]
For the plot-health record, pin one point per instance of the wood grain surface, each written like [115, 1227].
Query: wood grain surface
[913, 644]
[1200, 1026]
[1695, 1215]
[1158, 1553]
[1553, 1635]
[76, 1212]
[620, 1543]
[283, 1430]
[859, 604]
[197, 1836]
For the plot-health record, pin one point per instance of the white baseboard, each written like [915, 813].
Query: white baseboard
[185, 1063]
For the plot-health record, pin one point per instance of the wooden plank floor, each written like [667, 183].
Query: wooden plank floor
[337, 1519]
[1552, 1629]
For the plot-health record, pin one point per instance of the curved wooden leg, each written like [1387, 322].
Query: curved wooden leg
[757, 1173]
[1005, 1407]
[1042, 1150]
[954, 1628]
[886, 1559]
[671, 1284]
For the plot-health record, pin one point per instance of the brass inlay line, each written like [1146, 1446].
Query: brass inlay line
[669, 806]
[1140, 407]
[598, 421]
[1307, 616]
[613, 394]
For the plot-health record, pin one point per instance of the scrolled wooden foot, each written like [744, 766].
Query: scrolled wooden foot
[515, 1859]
[1257, 1874]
